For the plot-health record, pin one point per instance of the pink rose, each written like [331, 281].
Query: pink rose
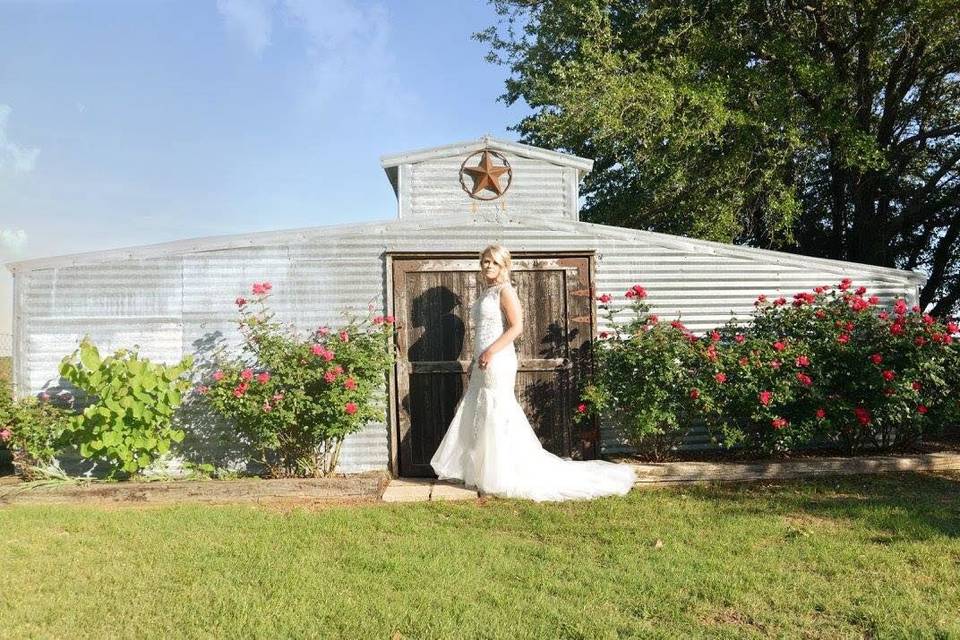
[720, 377]
[765, 397]
[6, 434]
[350, 383]
[344, 336]
[246, 374]
[218, 375]
[605, 298]
[263, 378]
[350, 408]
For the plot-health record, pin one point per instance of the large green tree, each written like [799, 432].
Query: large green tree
[822, 128]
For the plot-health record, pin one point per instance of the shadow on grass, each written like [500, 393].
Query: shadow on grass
[899, 506]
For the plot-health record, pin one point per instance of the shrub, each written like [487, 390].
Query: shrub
[31, 429]
[294, 399]
[642, 379]
[828, 368]
[128, 423]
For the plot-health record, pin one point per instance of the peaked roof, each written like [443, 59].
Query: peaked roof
[392, 161]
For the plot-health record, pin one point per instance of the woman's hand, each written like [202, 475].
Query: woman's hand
[484, 358]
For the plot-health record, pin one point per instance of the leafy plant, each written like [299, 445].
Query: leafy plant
[128, 424]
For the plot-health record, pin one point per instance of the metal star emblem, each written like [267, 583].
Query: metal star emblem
[486, 175]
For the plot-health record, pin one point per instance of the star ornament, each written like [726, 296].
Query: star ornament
[486, 175]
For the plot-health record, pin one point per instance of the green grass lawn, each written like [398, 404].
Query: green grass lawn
[850, 557]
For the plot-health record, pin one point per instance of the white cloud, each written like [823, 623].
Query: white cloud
[252, 20]
[12, 242]
[21, 159]
[347, 44]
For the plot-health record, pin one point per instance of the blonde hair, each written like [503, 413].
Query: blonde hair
[501, 256]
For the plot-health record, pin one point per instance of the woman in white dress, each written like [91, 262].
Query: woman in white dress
[489, 443]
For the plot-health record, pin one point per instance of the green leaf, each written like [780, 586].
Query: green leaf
[89, 356]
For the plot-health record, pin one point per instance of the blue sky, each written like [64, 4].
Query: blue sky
[132, 122]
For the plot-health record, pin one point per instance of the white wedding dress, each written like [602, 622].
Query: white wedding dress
[490, 444]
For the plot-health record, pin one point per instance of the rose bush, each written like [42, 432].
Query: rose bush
[31, 429]
[294, 399]
[642, 377]
[829, 368]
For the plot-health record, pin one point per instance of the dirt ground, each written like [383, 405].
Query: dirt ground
[279, 493]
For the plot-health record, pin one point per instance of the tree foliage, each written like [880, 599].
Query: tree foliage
[822, 128]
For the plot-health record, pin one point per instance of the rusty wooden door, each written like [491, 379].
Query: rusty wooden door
[432, 295]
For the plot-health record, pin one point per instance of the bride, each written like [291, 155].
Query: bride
[489, 443]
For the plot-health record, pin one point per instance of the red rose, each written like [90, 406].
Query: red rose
[843, 338]
[720, 377]
[863, 415]
[821, 413]
[605, 298]
[694, 393]
[246, 374]
[802, 361]
[876, 358]
[922, 408]
[240, 301]
[581, 408]
[350, 408]
[765, 397]
[889, 375]
[715, 336]
[740, 338]
[779, 345]
[350, 383]
[263, 378]
[779, 423]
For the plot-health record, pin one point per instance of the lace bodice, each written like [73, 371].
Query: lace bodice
[487, 318]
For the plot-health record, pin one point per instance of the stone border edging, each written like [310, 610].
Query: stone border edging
[665, 473]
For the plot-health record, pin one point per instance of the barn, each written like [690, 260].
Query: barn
[177, 297]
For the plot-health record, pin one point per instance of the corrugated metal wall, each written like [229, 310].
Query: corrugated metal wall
[182, 302]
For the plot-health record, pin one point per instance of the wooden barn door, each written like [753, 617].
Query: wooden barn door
[431, 301]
